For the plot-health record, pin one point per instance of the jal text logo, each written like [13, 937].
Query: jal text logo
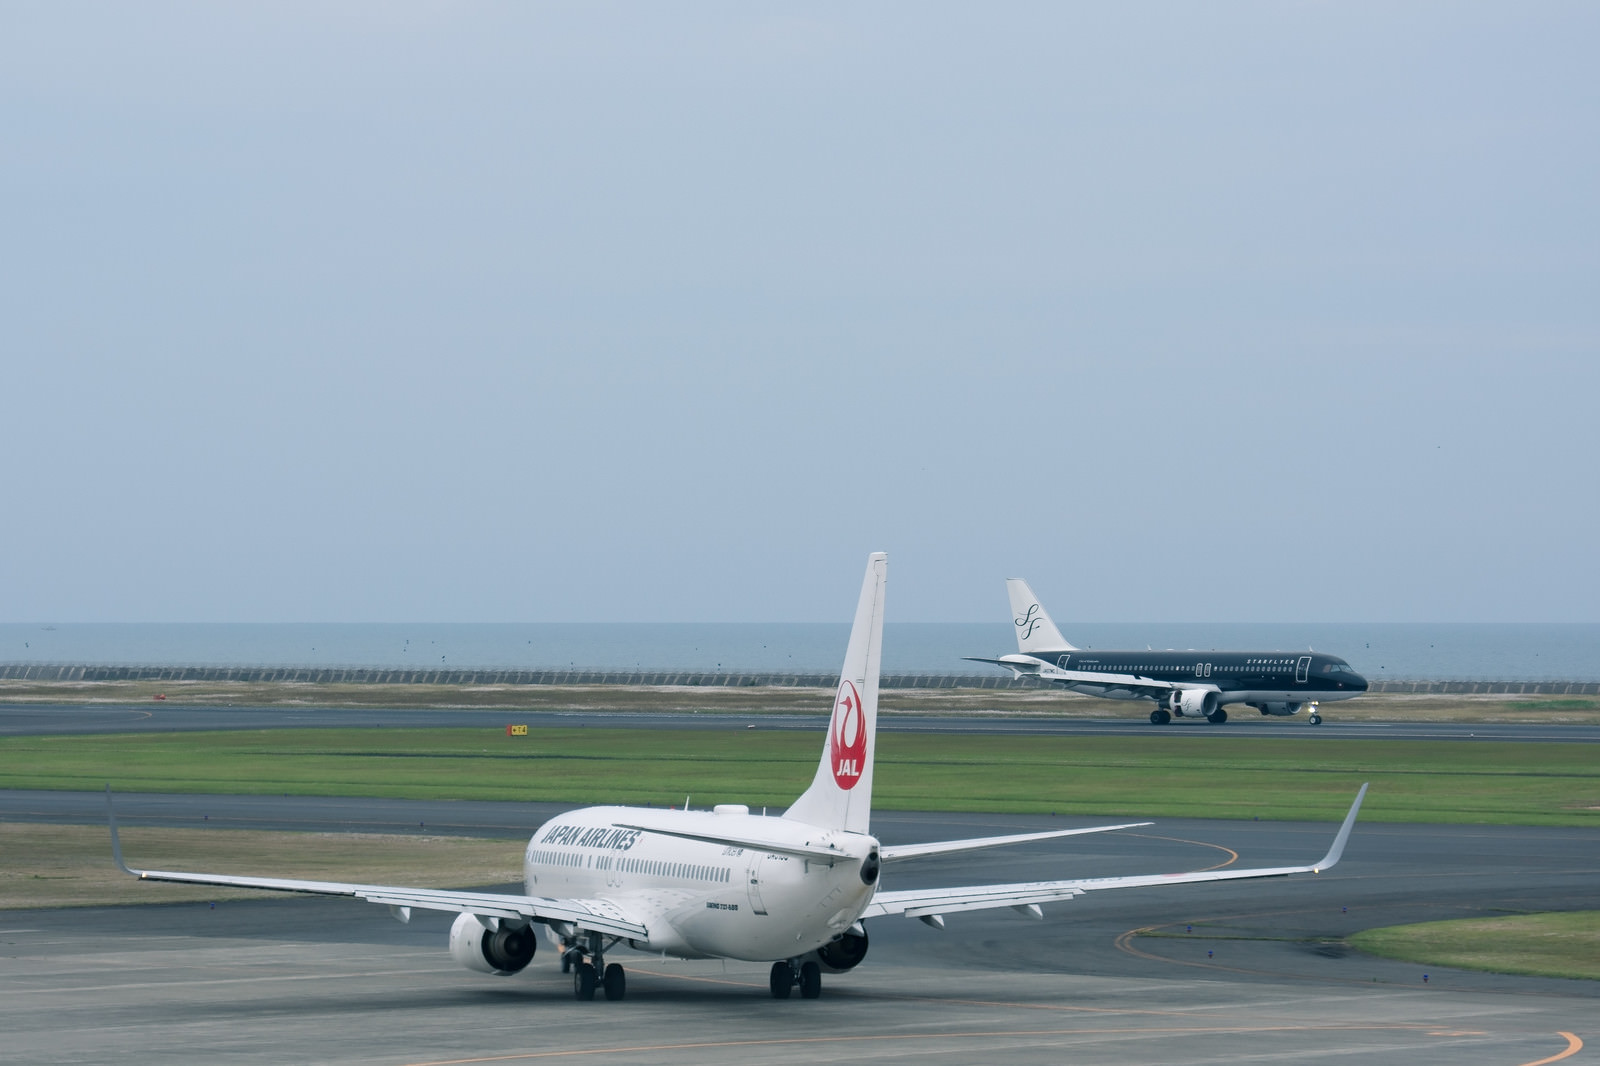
[847, 737]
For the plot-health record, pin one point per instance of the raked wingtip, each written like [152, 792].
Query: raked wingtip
[1337, 850]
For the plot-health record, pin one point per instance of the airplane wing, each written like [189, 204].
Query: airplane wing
[929, 903]
[947, 847]
[598, 915]
[1020, 665]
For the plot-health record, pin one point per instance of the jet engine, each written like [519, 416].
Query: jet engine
[1192, 702]
[845, 953]
[501, 951]
[1280, 709]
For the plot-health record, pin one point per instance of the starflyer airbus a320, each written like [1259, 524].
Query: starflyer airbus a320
[1182, 684]
[794, 890]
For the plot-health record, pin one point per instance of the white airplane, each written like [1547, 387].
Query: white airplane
[791, 890]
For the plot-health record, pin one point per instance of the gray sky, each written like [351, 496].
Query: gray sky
[516, 312]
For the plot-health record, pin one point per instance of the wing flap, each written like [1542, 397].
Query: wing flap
[602, 916]
[598, 915]
[916, 903]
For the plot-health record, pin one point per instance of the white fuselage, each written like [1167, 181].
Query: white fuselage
[700, 899]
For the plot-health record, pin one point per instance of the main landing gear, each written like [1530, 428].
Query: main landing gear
[1161, 716]
[786, 976]
[593, 972]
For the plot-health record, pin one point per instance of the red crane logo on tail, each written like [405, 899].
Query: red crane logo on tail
[847, 744]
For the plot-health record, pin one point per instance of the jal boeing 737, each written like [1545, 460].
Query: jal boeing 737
[793, 890]
[1184, 683]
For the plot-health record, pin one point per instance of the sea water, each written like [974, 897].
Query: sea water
[1379, 650]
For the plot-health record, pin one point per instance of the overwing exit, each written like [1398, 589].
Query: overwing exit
[791, 890]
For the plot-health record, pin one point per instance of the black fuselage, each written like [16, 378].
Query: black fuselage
[1238, 676]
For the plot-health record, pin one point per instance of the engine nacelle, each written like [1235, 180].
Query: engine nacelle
[502, 951]
[1192, 702]
[1282, 710]
[843, 954]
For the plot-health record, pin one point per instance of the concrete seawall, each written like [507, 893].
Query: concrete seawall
[322, 675]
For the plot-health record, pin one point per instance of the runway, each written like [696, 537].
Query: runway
[1210, 973]
[68, 719]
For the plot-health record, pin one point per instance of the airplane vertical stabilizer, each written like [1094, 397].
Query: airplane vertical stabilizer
[840, 796]
[1036, 634]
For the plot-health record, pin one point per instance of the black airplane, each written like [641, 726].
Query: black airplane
[1184, 683]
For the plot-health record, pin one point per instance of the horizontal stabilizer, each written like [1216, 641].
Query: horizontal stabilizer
[800, 851]
[951, 847]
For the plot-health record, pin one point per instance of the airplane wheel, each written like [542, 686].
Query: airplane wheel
[1160, 717]
[810, 981]
[1217, 717]
[615, 982]
[1316, 719]
[583, 981]
[782, 980]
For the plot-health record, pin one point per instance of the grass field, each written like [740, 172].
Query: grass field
[1548, 945]
[1204, 774]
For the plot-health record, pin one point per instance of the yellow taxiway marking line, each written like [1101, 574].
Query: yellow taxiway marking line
[1574, 1045]
[989, 1034]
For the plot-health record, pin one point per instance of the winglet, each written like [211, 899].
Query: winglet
[1335, 852]
[116, 844]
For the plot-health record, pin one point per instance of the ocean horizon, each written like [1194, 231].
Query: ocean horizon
[1465, 651]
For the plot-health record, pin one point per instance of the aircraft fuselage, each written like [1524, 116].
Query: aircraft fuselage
[1238, 676]
[707, 898]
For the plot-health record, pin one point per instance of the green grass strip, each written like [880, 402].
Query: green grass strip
[1202, 775]
[1545, 945]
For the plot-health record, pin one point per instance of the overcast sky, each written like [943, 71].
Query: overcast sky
[673, 312]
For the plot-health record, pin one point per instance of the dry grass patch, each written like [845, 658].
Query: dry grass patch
[70, 866]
